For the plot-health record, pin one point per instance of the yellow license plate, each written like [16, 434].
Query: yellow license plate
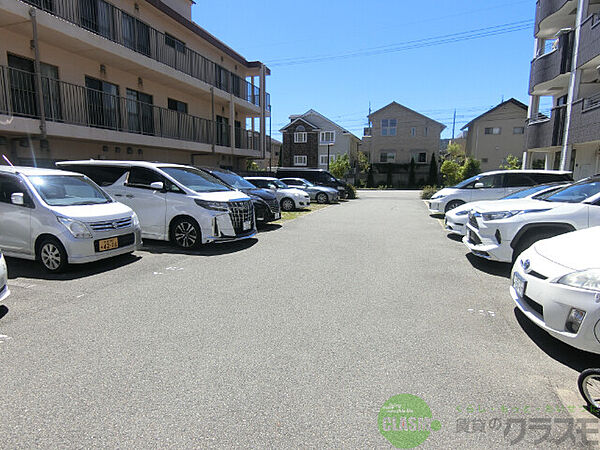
[108, 244]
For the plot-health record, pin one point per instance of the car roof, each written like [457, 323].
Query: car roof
[33, 171]
[261, 178]
[497, 172]
[303, 169]
[119, 163]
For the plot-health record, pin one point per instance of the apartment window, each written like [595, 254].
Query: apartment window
[175, 43]
[97, 16]
[103, 103]
[300, 138]
[426, 132]
[518, 130]
[300, 160]
[388, 127]
[136, 34]
[494, 130]
[327, 137]
[413, 131]
[140, 118]
[323, 159]
[484, 160]
[176, 105]
[422, 157]
[387, 157]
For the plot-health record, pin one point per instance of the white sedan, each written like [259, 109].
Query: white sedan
[556, 284]
[288, 198]
[4, 292]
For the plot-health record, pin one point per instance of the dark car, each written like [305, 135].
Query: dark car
[266, 206]
[319, 177]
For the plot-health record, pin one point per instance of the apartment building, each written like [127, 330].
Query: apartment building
[125, 79]
[497, 133]
[312, 140]
[273, 154]
[564, 86]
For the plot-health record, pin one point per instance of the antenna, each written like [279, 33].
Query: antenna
[7, 160]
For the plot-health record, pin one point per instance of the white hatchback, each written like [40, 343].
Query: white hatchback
[174, 202]
[61, 218]
[556, 284]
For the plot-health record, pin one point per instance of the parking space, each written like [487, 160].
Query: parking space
[298, 336]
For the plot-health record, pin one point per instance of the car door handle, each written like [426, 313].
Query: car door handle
[130, 196]
[118, 195]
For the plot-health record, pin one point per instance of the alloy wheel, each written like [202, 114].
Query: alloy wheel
[50, 256]
[186, 235]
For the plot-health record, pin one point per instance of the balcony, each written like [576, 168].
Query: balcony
[114, 24]
[67, 103]
[545, 132]
[546, 70]
[585, 120]
[589, 47]
[548, 22]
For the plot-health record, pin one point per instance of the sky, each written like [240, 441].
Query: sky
[338, 57]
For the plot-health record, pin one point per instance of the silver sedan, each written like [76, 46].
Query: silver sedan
[320, 194]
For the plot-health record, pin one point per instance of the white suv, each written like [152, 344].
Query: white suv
[289, 198]
[501, 231]
[178, 203]
[492, 186]
[61, 217]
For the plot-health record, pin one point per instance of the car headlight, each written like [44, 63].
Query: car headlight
[462, 213]
[437, 197]
[585, 279]
[135, 220]
[215, 206]
[499, 215]
[78, 229]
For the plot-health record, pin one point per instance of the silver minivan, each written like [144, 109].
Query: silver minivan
[61, 218]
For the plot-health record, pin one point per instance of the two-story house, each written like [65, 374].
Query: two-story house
[312, 140]
[125, 79]
[497, 133]
[564, 86]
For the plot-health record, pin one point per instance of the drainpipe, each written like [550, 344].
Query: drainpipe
[573, 87]
[38, 74]
[213, 124]
[263, 113]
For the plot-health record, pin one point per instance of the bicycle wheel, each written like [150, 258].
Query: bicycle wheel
[589, 387]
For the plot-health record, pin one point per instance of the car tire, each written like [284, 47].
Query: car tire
[583, 382]
[531, 238]
[52, 255]
[287, 204]
[322, 198]
[453, 204]
[186, 233]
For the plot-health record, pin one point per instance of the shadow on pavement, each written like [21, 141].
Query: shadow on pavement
[555, 349]
[225, 248]
[490, 267]
[268, 227]
[437, 216]
[21, 268]
[3, 311]
[455, 237]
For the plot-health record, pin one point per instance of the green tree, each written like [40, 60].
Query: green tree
[363, 163]
[455, 153]
[432, 179]
[511, 163]
[389, 180]
[340, 166]
[370, 178]
[252, 166]
[450, 172]
[411, 173]
[470, 168]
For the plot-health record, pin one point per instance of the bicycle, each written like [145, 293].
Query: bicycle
[589, 387]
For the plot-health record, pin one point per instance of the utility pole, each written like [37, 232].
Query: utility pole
[453, 124]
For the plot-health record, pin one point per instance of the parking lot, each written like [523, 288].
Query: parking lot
[295, 339]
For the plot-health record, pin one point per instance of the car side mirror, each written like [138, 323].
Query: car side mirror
[157, 185]
[18, 198]
[478, 185]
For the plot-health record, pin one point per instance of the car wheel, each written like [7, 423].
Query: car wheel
[52, 255]
[589, 387]
[531, 238]
[322, 198]
[186, 233]
[287, 204]
[453, 204]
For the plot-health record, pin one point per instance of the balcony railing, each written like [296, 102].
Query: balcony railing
[547, 130]
[78, 105]
[550, 65]
[106, 20]
[546, 8]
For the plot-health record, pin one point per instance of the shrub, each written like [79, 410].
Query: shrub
[470, 168]
[351, 190]
[411, 173]
[511, 163]
[428, 192]
[432, 180]
[451, 173]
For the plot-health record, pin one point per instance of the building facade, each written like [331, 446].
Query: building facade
[496, 134]
[564, 86]
[312, 140]
[125, 80]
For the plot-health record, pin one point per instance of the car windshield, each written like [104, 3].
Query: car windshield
[575, 193]
[233, 179]
[306, 182]
[462, 184]
[68, 190]
[195, 179]
[280, 184]
[528, 191]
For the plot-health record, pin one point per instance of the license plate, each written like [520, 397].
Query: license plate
[519, 284]
[247, 225]
[108, 244]
[277, 215]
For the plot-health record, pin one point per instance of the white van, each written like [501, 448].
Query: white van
[61, 218]
[174, 202]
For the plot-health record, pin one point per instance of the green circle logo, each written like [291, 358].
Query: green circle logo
[406, 421]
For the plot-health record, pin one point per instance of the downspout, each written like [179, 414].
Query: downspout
[213, 123]
[38, 74]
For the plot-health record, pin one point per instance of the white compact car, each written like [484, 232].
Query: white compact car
[501, 231]
[289, 198]
[456, 219]
[178, 203]
[320, 194]
[492, 186]
[556, 284]
[61, 218]
[4, 292]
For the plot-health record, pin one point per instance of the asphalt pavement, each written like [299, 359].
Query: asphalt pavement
[293, 340]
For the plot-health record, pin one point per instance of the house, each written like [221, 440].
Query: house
[564, 88]
[124, 79]
[273, 154]
[496, 134]
[312, 140]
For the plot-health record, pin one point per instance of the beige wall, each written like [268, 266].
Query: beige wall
[492, 149]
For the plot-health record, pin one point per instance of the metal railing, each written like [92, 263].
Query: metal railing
[247, 139]
[591, 102]
[105, 19]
